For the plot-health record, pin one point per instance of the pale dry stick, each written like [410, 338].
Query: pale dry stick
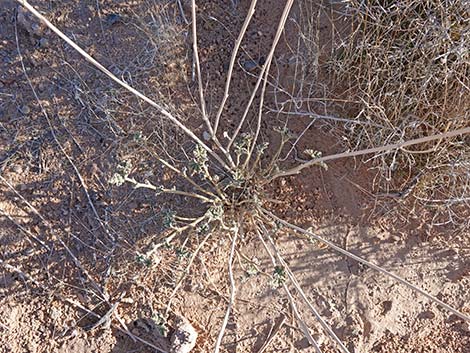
[186, 271]
[236, 47]
[198, 68]
[297, 286]
[390, 147]
[311, 235]
[232, 292]
[175, 232]
[275, 84]
[75, 304]
[263, 70]
[137, 93]
[24, 230]
[273, 332]
[147, 185]
[185, 176]
[303, 326]
[201, 88]
[44, 112]
[294, 144]
[325, 117]
[180, 7]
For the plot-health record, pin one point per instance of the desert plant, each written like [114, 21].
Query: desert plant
[406, 65]
[230, 181]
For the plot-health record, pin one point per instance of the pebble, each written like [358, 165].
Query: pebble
[43, 43]
[206, 136]
[28, 251]
[36, 28]
[184, 338]
[113, 18]
[127, 300]
[250, 65]
[18, 169]
[24, 109]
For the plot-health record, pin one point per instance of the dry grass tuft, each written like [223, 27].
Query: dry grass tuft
[407, 65]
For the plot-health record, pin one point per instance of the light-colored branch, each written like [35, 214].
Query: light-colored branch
[201, 86]
[390, 147]
[299, 289]
[198, 68]
[76, 261]
[303, 325]
[263, 70]
[77, 305]
[185, 176]
[62, 149]
[147, 185]
[365, 262]
[232, 293]
[281, 26]
[137, 93]
[186, 271]
[24, 230]
[236, 47]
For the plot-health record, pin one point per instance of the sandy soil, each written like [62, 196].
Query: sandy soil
[48, 225]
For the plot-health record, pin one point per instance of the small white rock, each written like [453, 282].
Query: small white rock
[184, 338]
[206, 136]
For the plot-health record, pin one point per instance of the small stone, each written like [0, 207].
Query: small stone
[18, 169]
[127, 300]
[28, 251]
[34, 62]
[42, 87]
[24, 109]
[36, 28]
[113, 18]
[428, 314]
[386, 306]
[250, 65]
[206, 136]
[43, 43]
[184, 338]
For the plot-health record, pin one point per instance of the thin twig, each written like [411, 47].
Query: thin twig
[76, 261]
[303, 325]
[273, 332]
[236, 47]
[24, 230]
[198, 69]
[390, 147]
[62, 149]
[297, 286]
[263, 70]
[185, 273]
[267, 66]
[232, 293]
[75, 304]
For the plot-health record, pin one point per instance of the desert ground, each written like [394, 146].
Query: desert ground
[110, 238]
